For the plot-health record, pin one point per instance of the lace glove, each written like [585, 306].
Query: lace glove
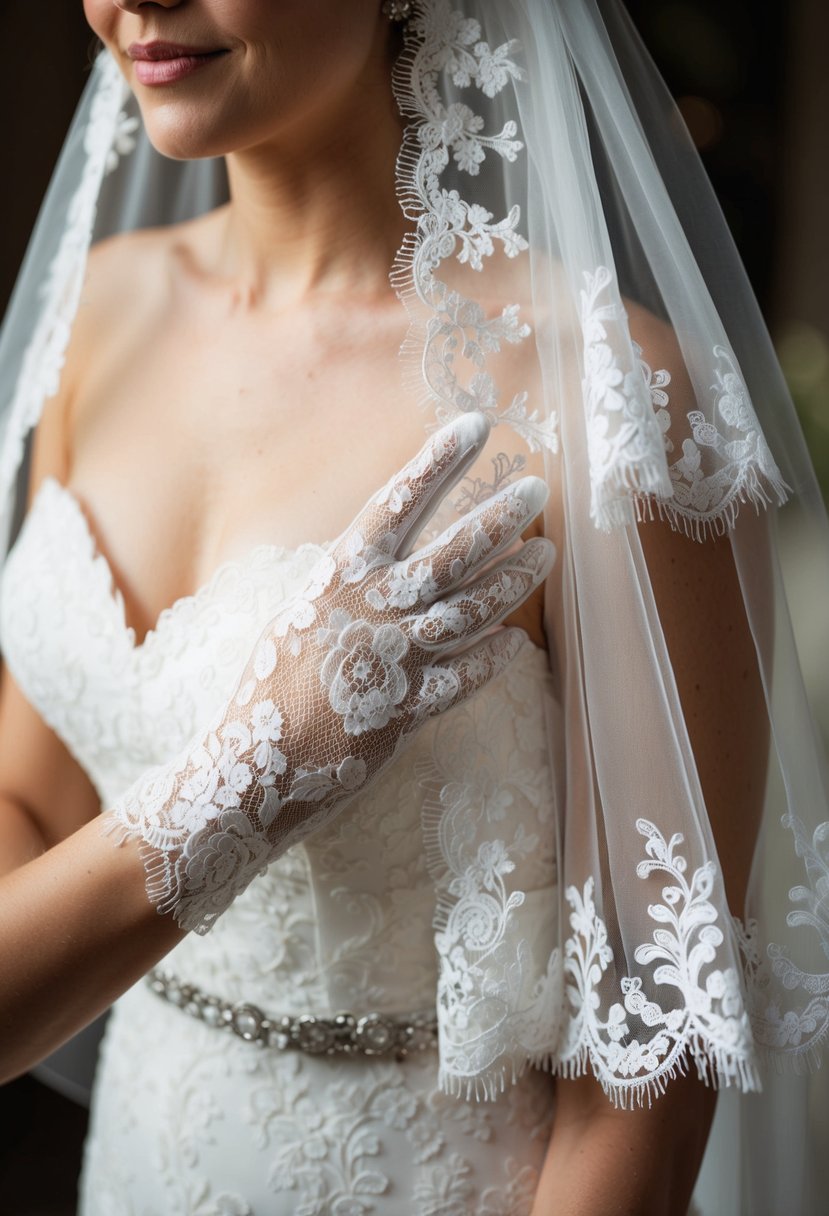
[377, 643]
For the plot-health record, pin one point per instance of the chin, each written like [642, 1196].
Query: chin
[186, 133]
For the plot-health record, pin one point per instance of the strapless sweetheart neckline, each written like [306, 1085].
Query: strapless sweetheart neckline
[58, 492]
[50, 487]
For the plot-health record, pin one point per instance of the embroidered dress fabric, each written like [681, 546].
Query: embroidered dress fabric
[570, 277]
[187, 1118]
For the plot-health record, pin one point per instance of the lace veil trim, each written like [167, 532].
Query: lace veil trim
[505, 999]
[447, 328]
[638, 461]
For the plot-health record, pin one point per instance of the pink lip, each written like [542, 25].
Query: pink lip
[161, 63]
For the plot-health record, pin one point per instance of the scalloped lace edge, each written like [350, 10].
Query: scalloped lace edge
[428, 370]
[725, 1022]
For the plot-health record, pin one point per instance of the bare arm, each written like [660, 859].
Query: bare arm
[77, 928]
[604, 1161]
[608, 1162]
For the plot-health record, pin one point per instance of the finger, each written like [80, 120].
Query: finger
[395, 514]
[463, 549]
[456, 679]
[487, 601]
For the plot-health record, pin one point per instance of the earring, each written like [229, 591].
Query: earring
[398, 10]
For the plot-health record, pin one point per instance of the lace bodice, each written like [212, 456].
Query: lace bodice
[346, 920]
[187, 1119]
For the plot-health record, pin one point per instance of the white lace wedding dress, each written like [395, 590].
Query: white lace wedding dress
[191, 1119]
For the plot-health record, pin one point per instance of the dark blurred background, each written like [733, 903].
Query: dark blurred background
[752, 83]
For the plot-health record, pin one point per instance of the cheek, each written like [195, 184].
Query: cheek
[101, 15]
[288, 61]
[314, 52]
[303, 38]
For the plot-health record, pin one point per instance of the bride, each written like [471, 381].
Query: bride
[383, 743]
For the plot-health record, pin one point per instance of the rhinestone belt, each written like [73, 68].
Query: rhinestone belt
[370, 1034]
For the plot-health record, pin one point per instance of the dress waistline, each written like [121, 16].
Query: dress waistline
[368, 1034]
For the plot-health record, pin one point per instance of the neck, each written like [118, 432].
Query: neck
[316, 211]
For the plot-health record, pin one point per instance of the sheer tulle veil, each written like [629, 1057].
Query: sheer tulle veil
[571, 276]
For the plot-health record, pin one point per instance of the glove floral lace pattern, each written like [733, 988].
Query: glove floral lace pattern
[375, 645]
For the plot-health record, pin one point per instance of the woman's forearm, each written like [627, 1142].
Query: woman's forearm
[77, 931]
[21, 840]
[608, 1162]
[598, 1168]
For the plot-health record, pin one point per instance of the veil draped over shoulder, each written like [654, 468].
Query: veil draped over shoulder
[571, 276]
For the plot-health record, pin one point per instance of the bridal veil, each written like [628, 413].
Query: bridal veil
[569, 274]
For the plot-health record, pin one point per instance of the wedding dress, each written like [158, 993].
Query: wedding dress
[570, 276]
[187, 1118]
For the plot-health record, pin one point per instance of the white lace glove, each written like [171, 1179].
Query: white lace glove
[375, 644]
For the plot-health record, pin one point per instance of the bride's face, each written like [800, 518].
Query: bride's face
[263, 68]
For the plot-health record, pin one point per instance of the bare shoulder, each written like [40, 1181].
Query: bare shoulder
[119, 271]
[125, 298]
[128, 275]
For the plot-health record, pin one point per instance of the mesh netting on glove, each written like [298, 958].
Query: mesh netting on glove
[376, 643]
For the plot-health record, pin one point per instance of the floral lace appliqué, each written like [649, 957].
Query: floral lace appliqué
[697, 482]
[708, 1022]
[781, 1025]
[623, 438]
[723, 462]
[440, 39]
[488, 838]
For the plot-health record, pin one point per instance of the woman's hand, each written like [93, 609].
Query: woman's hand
[378, 642]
